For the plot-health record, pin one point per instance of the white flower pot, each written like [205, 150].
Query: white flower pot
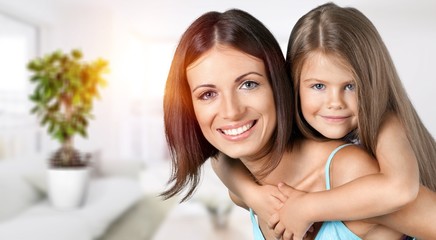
[67, 187]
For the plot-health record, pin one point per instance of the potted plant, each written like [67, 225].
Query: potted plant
[63, 98]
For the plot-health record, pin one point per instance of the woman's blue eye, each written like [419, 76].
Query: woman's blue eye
[350, 87]
[207, 95]
[318, 86]
[249, 85]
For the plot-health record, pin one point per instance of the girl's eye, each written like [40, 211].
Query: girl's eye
[350, 87]
[318, 86]
[249, 85]
[207, 95]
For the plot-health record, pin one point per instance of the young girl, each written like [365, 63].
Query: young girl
[227, 91]
[381, 119]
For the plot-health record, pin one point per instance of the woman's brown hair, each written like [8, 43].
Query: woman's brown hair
[188, 147]
[349, 36]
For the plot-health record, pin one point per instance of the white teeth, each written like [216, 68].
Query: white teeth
[237, 131]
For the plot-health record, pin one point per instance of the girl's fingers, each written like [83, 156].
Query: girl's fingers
[287, 235]
[279, 230]
[285, 189]
[272, 222]
[279, 195]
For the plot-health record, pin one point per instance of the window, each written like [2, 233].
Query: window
[18, 129]
[18, 44]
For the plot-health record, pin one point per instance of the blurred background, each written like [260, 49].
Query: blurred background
[138, 38]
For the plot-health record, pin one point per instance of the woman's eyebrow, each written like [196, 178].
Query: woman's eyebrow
[238, 79]
[204, 85]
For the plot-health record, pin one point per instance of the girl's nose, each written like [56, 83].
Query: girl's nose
[335, 100]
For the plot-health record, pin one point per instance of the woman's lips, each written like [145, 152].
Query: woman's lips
[237, 132]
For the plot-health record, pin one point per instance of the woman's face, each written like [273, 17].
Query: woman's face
[328, 96]
[233, 101]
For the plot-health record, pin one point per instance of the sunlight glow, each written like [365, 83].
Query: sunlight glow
[13, 62]
[142, 67]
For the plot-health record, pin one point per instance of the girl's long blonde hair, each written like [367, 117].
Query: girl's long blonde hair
[347, 34]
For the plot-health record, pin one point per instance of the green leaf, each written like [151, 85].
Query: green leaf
[44, 120]
[64, 78]
[59, 136]
[76, 53]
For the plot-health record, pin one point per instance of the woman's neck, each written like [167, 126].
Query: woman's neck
[256, 165]
[303, 167]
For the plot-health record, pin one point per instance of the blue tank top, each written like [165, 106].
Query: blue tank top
[330, 230]
[257, 233]
[333, 230]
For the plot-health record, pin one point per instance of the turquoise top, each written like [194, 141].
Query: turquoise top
[257, 233]
[330, 230]
[334, 229]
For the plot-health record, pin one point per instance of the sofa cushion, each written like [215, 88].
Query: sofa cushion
[107, 199]
[16, 193]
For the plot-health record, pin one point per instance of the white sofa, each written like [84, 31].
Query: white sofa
[26, 214]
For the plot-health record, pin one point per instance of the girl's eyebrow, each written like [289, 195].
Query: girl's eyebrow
[237, 80]
[323, 81]
[312, 79]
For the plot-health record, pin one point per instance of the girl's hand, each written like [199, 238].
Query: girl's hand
[266, 201]
[289, 221]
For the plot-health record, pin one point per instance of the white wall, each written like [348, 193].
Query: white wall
[410, 33]
[128, 128]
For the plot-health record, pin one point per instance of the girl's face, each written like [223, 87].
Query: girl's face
[328, 96]
[233, 101]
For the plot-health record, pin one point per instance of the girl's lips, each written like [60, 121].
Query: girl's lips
[235, 132]
[335, 118]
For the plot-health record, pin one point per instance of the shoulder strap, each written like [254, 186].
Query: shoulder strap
[257, 233]
[329, 161]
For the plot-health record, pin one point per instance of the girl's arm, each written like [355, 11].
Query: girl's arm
[416, 218]
[244, 191]
[373, 195]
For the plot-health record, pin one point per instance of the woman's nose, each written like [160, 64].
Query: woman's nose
[231, 107]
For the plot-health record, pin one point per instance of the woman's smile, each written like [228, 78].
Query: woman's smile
[233, 101]
[237, 133]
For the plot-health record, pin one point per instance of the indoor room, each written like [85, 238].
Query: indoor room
[119, 133]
